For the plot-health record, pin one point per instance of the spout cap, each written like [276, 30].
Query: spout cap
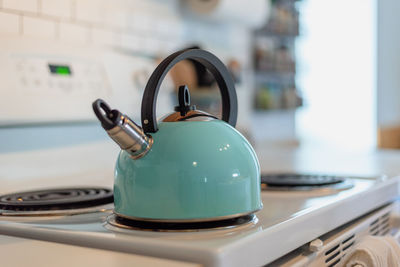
[106, 116]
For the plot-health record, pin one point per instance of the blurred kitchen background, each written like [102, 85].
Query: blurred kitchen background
[307, 72]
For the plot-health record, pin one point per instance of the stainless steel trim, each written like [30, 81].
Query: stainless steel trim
[122, 227]
[147, 149]
[192, 115]
[130, 137]
[64, 212]
[219, 218]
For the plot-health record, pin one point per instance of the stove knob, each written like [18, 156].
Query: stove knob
[316, 245]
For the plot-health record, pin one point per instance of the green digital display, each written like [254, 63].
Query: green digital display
[64, 70]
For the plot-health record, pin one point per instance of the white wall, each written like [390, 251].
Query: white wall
[149, 27]
[388, 67]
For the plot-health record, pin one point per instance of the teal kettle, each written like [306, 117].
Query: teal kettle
[188, 167]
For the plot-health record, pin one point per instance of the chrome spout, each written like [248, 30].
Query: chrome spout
[130, 137]
[126, 133]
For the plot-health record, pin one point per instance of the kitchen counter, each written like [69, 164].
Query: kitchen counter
[98, 159]
[329, 161]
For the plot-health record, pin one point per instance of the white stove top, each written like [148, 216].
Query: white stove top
[287, 221]
[49, 254]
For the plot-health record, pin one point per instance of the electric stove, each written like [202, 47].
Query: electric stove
[300, 207]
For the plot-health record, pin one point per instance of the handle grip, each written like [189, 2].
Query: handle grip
[212, 63]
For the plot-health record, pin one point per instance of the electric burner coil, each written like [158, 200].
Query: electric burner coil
[307, 183]
[56, 199]
[295, 179]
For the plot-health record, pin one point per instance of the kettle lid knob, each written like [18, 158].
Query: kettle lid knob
[184, 101]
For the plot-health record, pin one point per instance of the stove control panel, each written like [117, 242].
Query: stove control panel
[51, 82]
[62, 75]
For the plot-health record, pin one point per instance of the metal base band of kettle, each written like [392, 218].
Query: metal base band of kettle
[189, 166]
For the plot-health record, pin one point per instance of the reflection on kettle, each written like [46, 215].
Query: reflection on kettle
[188, 167]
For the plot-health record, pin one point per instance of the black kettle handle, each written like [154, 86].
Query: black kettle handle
[212, 63]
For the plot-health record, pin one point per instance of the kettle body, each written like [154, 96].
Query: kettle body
[196, 171]
[188, 167]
